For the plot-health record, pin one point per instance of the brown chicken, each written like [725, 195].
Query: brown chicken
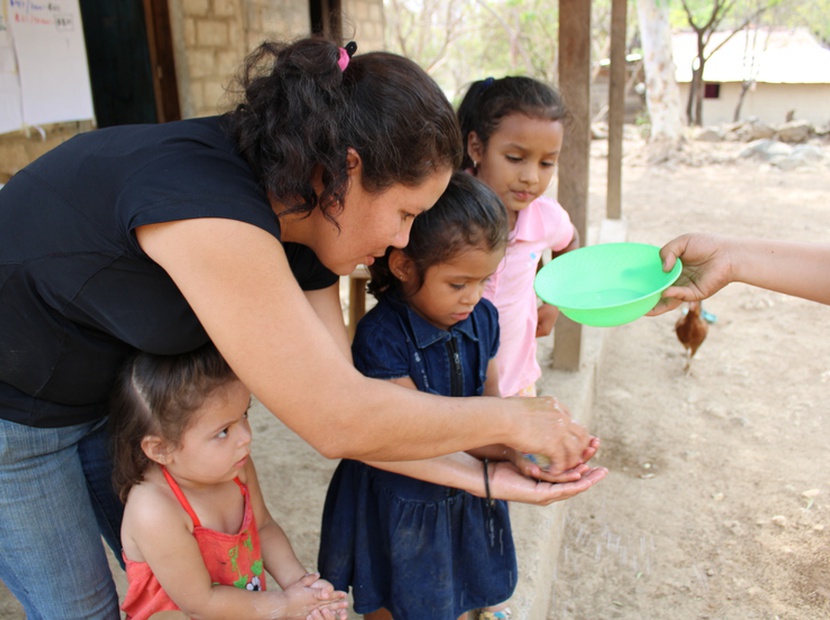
[691, 329]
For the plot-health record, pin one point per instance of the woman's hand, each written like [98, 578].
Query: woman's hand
[550, 431]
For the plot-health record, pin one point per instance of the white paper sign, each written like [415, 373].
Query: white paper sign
[11, 103]
[48, 41]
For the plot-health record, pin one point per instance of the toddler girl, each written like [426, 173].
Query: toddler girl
[512, 130]
[196, 534]
[412, 549]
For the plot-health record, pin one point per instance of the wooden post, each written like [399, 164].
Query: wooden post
[575, 86]
[357, 297]
[160, 47]
[616, 109]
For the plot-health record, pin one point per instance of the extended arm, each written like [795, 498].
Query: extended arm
[277, 553]
[238, 282]
[465, 470]
[710, 262]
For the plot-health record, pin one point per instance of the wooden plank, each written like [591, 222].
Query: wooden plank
[616, 109]
[160, 44]
[358, 280]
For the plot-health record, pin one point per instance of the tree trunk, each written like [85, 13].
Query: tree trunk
[700, 92]
[745, 86]
[694, 106]
[662, 92]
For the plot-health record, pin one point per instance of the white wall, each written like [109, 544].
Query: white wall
[768, 102]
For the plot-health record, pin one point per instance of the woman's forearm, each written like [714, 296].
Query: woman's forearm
[378, 420]
[238, 282]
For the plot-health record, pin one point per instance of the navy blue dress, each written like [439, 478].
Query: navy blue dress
[422, 551]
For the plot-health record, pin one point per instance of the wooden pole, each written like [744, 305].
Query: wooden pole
[616, 109]
[575, 86]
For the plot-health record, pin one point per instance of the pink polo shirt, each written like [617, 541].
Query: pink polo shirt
[543, 224]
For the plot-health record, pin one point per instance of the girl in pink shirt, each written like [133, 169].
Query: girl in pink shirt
[513, 129]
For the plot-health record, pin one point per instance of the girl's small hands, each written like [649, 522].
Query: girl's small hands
[327, 590]
[525, 464]
[547, 316]
[591, 450]
[570, 475]
[507, 483]
[328, 614]
[531, 469]
[311, 595]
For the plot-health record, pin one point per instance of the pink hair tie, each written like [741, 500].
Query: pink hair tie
[346, 54]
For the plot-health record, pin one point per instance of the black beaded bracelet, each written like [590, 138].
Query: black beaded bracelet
[487, 482]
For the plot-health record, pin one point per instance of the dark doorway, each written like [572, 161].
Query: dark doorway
[325, 18]
[129, 51]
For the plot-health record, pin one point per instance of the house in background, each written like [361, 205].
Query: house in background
[787, 73]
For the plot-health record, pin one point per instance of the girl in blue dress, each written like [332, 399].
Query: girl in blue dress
[411, 549]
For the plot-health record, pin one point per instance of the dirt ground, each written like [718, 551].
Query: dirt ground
[717, 504]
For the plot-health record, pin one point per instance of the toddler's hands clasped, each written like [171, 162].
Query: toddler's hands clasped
[312, 598]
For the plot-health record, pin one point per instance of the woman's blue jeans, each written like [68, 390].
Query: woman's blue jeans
[56, 502]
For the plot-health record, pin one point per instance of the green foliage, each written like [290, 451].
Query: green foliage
[459, 41]
[812, 14]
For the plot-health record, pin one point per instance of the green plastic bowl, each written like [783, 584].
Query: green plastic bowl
[605, 285]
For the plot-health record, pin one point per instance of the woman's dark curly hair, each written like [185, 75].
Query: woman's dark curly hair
[301, 113]
[157, 395]
[488, 101]
[467, 215]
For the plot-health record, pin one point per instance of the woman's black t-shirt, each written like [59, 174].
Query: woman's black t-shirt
[77, 293]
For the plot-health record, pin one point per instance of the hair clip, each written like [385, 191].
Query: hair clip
[346, 54]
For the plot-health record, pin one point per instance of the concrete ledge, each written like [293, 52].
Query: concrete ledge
[538, 531]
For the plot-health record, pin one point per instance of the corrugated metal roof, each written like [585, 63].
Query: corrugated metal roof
[774, 56]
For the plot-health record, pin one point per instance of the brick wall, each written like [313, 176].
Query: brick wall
[363, 22]
[211, 39]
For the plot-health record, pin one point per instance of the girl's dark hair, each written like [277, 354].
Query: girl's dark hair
[300, 113]
[157, 395]
[488, 101]
[467, 215]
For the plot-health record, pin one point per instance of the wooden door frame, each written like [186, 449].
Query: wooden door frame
[330, 25]
[162, 65]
